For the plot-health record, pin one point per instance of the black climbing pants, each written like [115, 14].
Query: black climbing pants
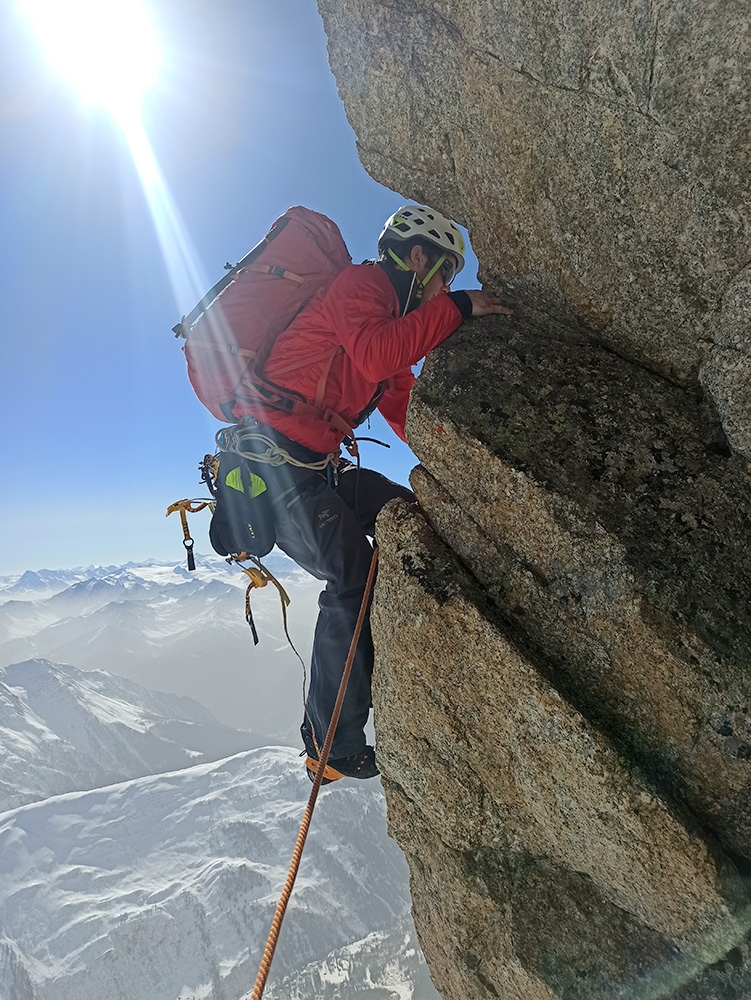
[326, 530]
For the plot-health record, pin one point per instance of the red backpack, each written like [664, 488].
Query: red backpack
[229, 334]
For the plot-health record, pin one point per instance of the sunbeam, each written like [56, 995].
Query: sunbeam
[109, 54]
[180, 257]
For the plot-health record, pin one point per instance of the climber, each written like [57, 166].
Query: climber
[384, 316]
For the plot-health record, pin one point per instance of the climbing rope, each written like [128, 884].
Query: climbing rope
[236, 438]
[276, 923]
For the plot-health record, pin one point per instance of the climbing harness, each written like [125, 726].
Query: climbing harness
[276, 923]
[240, 437]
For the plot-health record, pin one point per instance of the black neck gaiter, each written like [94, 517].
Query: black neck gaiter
[406, 285]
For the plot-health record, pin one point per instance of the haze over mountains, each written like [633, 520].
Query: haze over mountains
[64, 729]
[171, 630]
[154, 875]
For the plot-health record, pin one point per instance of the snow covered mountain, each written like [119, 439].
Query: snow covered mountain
[64, 729]
[383, 966]
[155, 875]
[171, 630]
[163, 888]
[43, 582]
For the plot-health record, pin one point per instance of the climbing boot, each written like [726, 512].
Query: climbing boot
[357, 765]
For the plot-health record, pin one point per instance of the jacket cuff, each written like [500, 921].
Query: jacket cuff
[462, 302]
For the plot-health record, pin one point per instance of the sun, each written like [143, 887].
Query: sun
[105, 49]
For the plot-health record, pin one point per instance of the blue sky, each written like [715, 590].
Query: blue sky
[100, 427]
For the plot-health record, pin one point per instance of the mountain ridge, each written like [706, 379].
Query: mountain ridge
[65, 729]
[167, 629]
[164, 886]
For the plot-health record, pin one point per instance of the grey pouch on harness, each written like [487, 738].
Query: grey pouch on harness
[243, 520]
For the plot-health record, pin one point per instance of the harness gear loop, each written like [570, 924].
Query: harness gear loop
[209, 469]
[276, 923]
[186, 507]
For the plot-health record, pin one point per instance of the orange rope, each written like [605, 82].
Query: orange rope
[281, 907]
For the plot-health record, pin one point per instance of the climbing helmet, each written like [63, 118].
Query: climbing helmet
[420, 220]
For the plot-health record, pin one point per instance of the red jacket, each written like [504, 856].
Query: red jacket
[355, 330]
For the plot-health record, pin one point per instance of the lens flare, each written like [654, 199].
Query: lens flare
[186, 275]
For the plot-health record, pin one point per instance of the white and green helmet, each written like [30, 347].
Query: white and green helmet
[419, 220]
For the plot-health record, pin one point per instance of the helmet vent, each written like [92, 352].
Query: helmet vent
[426, 223]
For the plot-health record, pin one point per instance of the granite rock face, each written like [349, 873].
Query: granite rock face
[543, 861]
[562, 691]
[599, 154]
[563, 625]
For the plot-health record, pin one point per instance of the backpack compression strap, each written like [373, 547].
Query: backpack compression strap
[181, 329]
[275, 396]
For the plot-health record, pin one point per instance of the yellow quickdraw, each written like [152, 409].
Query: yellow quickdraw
[259, 576]
[186, 507]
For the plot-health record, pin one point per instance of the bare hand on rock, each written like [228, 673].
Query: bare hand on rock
[487, 304]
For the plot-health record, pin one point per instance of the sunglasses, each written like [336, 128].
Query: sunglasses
[445, 266]
[448, 270]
